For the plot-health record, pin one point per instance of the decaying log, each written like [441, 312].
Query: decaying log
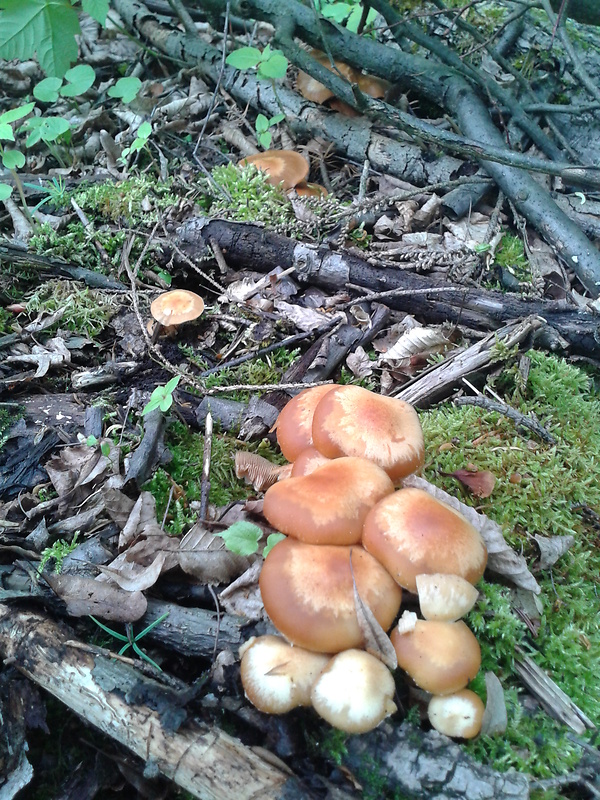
[255, 248]
[121, 702]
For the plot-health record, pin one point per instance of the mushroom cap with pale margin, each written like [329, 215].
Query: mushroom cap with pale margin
[444, 596]
[328, 506]
[440, 657]
[410, 533]
[294, 424]
[351, 421]
[286, 167]
[459, 714]
[308, 461]
[354, 692]
[276, 676]
[176, 307]
[308, 593]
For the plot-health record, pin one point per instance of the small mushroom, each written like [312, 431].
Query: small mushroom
[285, 167]
[354, 692]
[374, 87]
[294, 424]
[351, 421]
[305, 189]
[440, 657]
[175, 307]
[308, 593]
[276, 676]
[316, 92]
[411, 533]
[328, 506]
[459, 714]
[445, 597]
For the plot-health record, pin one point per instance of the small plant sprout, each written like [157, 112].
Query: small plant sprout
[270, 65]
[125, 89]
[143, 134]
[131, 640]
[57, 553]
[242, 538]
[262, 124]
[77, 81]
[12, 159]
[92, 441]
[162, 397]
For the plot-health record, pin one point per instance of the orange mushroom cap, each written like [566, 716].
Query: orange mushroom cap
[410, 533]
[328, 506]
[308, 461]
[311, 89]
[374, 87]
[351, 421]
[459, 714]
[440, 657]
[286, 167]
[308, 593]
[305, 189]
[294, 423]
[176, 307]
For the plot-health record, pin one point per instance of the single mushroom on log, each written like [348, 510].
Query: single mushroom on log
[174, 308]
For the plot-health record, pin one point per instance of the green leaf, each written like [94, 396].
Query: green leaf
[79, 78]
[153, 403]
[13, 159]
[164, 276]
[6, 132]
[355, 17]
[264, 139]
[91, 441]
[13, 114]
[46, 128]
[105, 449]
[126, 89]
[166, 403]
[338, 12]
[244, 58]
[276, 120]
[241, 538]
[144, 131]
[47, 90]
[274, 68]
[171, 385]
[97, 9]
[262, 123]
[272, 540]
[5, 191]
[45, 27]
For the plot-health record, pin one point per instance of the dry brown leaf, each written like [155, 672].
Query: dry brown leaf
[131, 576]
[359, 363]
[204, 555]
[84, 596]
[480, 482]
[495, 719]
[415, 342]
[242, 597]
[501, 558]
[552, 548]
[375, 639]
[141, 521]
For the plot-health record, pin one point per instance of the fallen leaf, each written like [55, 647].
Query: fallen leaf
[84, 596]
[502, 559]
[242, 597]
[495, 719]
[359, 363]
[480, 482]
[131, 576]
[204, 555]
[375, 639]
[552, 548]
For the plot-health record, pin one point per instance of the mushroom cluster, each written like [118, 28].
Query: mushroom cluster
[351, 531]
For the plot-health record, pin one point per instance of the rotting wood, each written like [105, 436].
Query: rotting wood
[203, 760]
[255, 248]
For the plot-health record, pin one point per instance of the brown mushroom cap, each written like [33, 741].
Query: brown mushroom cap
[286, 167]
[351, 421]
[294, 423]
[459, 714]
[308, 461]
[354, 692]
[374, 87]
[276, 676]
[440, 657]
[311, 89]
[177, 306]
[308, 593]
[305, 189]
[445, 597]
[410, 533]
[328, 506]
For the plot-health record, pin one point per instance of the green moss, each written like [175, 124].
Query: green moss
[138, 200]
[511, 255]
[553, 480]
[86, 311]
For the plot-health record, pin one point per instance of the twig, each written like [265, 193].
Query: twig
[393, 293]
[213, 99]
[184, 16]
[507, 411]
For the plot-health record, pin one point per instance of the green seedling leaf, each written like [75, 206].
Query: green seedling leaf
[337, 12]
[43, 27]
[241, 538]
[276, 120]
[165, 276]
[48, 129]
[13, 114]
[91, 441]
[13, 159]
[5, 191]
[161, 397]
[6, 132]
[244, 58]
[144, 131]
[262, 123]
[272, 540]
[274, 68]
[79, 79]
[105, 449]
[46, 91]
[264, 139]
[125, 89]
[97, 9]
